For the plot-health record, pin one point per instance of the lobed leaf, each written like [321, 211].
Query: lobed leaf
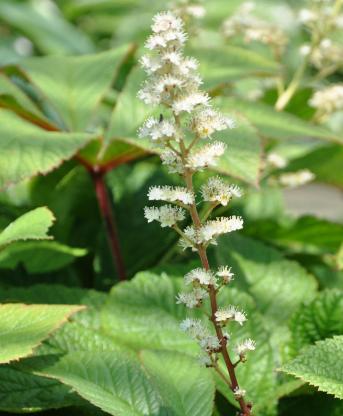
[320, 365]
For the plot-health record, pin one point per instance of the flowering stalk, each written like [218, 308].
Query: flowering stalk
[180, 133]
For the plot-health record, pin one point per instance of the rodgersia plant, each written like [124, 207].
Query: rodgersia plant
[184, 134]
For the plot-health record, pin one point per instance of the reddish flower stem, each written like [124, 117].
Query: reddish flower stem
[109, 222]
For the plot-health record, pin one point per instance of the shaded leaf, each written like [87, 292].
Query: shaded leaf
[33, 225]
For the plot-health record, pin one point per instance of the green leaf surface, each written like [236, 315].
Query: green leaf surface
[39, 257]
[74, 86]
[225, 63]
[33, 225]
[142, 314]
[26, 150]
[320, 365]
[277, 285]
[325, 162]
[320, 319]
[173, 375]
[48, 30]
[21, 391]
[24, 327]
[276, 125]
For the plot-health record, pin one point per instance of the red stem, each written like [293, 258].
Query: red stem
[109, 221]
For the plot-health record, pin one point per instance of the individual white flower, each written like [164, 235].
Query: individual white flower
[294, 179]
[192, 299]
[168, 81]
[167, 215]
[224, 272]
[150, 64]
[200, 276]
[307, 16]
[231, 313]
[206, 155]
[166, 21]
[209, 343]
[194, 327]
[148, 95]
[329, 99]
[158, 130]
[305, 49]
[216, 190]
[190, 240]
[173, 161]
[207, 121]
[188, 102]
[245, 346]
[204, 359]
[222, 225]
[276, 160]
[171, 194]
[239, 393]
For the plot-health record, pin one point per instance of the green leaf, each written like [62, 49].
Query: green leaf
[321, 365]
[277, 285]
[48, 30]
[320, 319]
[173, 375]
[273, 124]
[25, 392]
[305, 234]
[26, 150]
[39, 257]
[33, 225]
[74, 86]
[324, 162]
[24, 327]
[224, 63]
[142, 314]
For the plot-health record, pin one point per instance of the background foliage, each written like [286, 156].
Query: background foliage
[68, 122]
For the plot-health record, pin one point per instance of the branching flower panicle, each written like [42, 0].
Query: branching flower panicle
[184, 134]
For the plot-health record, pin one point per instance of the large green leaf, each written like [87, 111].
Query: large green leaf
[74, 86]
[275, 125]
[48, 30]
[241, 160]
[142, 314]
[320, 319]
[23, 327]
[26, 150]
[22, 391]
[225, 63]
[277, 285]
[321, 365]
[33, 225]
[39, 257]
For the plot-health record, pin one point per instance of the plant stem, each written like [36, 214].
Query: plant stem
[109, 222]
[245, 409]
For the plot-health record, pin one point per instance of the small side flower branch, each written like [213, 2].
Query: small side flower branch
[184, 135]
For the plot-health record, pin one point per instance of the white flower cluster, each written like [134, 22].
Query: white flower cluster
[166, 215]
[209, 231]
[171, 194]
[294, 179]
[187, 9]
[245, 346]
[200, 277]
[195, 328]
[192, 299]
[207, 121]
[230, 313]
[253, 29]
[326, 54]
[328, 100]
[216, 190]
[276, 160]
